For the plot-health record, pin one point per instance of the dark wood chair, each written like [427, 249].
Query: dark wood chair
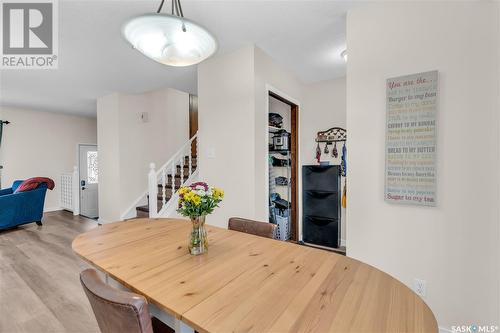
[263, 229]
[119, 311]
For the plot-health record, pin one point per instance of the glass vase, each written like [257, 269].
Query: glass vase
[198, 240]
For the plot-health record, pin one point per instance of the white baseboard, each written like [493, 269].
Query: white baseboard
[51, 209]
[342, 242]
[444, 330]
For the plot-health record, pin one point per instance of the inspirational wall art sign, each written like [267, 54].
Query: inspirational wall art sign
[410, 150]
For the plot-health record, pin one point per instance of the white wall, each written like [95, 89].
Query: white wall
[324, 107]
[108, 157]
[130, 144]
[498, 25]
[38, 143]
[226, 117]
[454, 246]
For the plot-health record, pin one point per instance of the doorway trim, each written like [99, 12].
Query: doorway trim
[296, 213]
[77, 166]
[78, 146]
[193, 122]
[193, 115]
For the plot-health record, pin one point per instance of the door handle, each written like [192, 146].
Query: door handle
[82, 184]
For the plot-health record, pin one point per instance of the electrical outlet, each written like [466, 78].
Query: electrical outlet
[420, 287]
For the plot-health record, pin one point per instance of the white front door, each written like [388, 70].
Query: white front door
[88, 181]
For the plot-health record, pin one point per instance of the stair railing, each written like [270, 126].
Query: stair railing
[158, 180]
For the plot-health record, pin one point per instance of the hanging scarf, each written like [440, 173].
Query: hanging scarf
[335, 153]
[343, 164]
[318, 153]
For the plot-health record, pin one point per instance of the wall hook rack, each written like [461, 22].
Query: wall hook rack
[334, 134]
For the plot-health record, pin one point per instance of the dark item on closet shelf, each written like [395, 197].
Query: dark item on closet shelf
[275, 212]
[282, 212]
[321, 194]
[275, 120]
[281, 181]
[281, 140]
[279, 202]
[280, 162]
[274, 196]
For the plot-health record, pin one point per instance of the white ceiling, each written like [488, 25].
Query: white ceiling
[94, 60]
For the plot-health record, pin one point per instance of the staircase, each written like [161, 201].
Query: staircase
[161, 197]
[143, 211]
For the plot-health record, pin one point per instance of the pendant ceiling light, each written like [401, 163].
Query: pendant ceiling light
[170, 39]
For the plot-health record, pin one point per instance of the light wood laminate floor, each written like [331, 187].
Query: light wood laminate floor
[40, 289]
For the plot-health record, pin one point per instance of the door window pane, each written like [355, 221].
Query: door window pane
[92, 170]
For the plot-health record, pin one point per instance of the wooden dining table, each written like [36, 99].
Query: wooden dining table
[246, 283]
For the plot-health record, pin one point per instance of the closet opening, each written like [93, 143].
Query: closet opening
[283, 166]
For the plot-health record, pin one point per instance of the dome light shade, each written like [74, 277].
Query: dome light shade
[169, 39]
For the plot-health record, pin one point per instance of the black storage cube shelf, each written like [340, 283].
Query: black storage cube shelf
[321, 205]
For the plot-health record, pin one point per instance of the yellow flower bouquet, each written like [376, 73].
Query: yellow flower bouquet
[196, 202]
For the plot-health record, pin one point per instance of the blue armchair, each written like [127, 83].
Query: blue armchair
[23, 207]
